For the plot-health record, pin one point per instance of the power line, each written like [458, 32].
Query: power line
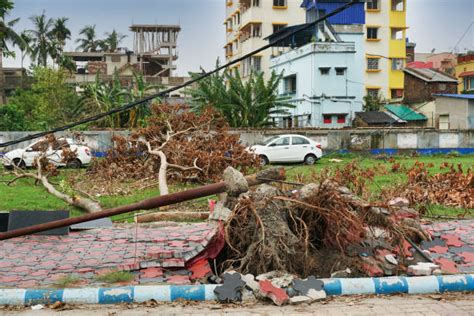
[189, 82]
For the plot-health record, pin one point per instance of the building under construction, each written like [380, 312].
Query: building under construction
[156, 47]
[155, 52]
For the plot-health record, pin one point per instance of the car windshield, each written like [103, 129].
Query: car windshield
[269, 140]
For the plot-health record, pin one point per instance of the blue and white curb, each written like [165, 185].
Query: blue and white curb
[169, 293]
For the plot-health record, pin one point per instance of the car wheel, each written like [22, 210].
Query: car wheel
[310, 159]
[74, 164]
[263, 160]
[20, 163]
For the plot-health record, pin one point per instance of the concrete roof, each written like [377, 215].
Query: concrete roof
[154, 27]
[430, 75]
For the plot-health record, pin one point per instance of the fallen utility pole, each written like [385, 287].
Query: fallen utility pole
[159, 201]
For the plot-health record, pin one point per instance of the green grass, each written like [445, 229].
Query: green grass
[115, 277]
[67, 281]
[25, 195]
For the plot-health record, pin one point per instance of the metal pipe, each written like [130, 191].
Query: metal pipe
[163, 200]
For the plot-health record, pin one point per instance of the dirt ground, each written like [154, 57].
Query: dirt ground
[447, 304]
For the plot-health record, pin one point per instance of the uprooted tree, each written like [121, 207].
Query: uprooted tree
[177, 145]
[51, 152]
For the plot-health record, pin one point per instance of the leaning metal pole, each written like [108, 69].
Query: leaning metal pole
[163, 200]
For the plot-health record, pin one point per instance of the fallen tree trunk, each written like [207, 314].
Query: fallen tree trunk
[170, 216]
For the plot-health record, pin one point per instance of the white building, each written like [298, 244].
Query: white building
[321, 76]
[249, 22]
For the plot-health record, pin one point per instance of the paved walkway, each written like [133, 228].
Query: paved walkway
[155, 254]
[449, 305]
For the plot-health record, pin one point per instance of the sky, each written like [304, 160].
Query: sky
[434, 24]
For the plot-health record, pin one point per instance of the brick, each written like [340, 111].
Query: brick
[151, 273]
[276, 294]
[200, 270]
[439, 249]
[178, 279]
[468, 257]
[447, 265]
[452, 240]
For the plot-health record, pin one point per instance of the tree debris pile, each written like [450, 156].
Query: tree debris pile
[454, 187]
[182, 145]
[321, 229]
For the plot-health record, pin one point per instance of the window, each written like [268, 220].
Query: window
[340, 71]
[115, 59]
[238, 18]
[279, 3]
[278, 27]
[284, 141]
[341, 119]
[257, 63]
[441, 86]
[256, 30]
[327, 119]
[397, 93]
[397, 34]
[373, 93]
[255, 3]
[398, 5]
[373, 5]
[373, 63]
[324, 71]
[299, 141]
[290, 84]
[372, 33]
[397, 63]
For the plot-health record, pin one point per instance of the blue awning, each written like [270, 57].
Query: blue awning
[309, 4]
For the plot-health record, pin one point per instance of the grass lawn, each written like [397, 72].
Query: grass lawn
[25, 195]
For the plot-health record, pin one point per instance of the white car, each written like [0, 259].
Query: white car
[26, 157]
[288, 148]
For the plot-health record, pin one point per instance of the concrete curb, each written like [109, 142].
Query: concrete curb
[169, 293]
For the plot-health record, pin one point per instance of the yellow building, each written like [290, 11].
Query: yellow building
[465, 73]
[248, 22]
[385, 46]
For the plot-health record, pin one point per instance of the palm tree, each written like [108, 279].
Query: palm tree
[243, 104]
[43, 44]
[89, 42]
[25, 48]
[60, 34]
[140, 90]
[111, 41]
[7, 35]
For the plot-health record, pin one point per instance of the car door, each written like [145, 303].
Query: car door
[33, 151]
[279, 150]
[300, 147]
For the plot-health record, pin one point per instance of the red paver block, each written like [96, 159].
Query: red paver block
[447, 265]
[468, 257]
[9, 278]
[201, 269]
[151, 273]
[372, 270]
[177, 243]
[178, 279]
[439, 249]
[276, 294]
[452, 240]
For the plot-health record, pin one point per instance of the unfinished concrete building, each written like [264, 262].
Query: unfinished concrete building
[154, 55]
[156, 47]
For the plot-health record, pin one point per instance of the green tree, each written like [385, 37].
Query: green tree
[249, 103]
[60, 33]
[101, 96]
[89, 41]
[111, 41]
[49, 102]
[373, 103]
[12, 119]
[42, 45]
[140, 89]
[7, 36]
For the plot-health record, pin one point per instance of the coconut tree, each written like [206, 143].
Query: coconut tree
[60, 34]
[140, 90]
[112, 41]
[89, 41]
[42, 44]
[7, 36]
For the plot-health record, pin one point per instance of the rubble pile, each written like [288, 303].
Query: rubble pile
[454, 187]
[323, 229]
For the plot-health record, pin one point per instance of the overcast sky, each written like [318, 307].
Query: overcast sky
[433, 23]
